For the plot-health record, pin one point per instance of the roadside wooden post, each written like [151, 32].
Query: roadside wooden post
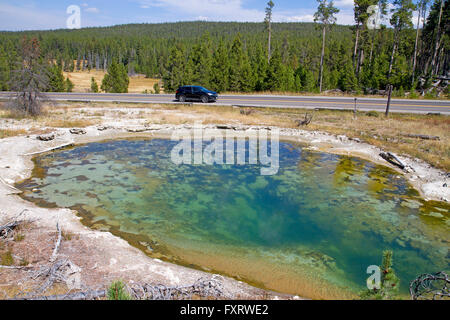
[389, 99]
[355, 110]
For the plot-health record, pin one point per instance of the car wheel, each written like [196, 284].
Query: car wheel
[205, 99]
[182, 98]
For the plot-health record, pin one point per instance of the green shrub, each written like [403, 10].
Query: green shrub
[117, 291]
[156, 88]
[372, 114]
[94, 85]
[431, 94]
[413, 94]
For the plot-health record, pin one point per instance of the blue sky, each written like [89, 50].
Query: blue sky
[51, 14]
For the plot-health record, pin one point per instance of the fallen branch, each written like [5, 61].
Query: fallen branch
[423, 137]
[70, 144]
[16, 267]
[392, 159]
[6, 229]
[306, 121]
[53, 273]
[14, 190]
[204, 288]
[57, 244]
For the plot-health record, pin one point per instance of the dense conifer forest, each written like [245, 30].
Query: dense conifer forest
[229, 56]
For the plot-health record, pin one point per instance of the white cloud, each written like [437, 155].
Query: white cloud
[233, 10]
[345, 3]
[299, 18]
[215, 10]
[92, 10]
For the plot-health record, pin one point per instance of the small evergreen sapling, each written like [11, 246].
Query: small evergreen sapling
[117, 291]
[389, 285]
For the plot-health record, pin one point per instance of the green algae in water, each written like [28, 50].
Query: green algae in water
[320, 222]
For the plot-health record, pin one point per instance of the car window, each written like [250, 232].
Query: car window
[197, 90]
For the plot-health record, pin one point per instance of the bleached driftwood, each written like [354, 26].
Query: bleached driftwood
[5, 230]
[57, 244]
[16, 267]
[13, 189]
[392, 159]
[70, 144]
[423, 137]
[204, 288]
[53, 273]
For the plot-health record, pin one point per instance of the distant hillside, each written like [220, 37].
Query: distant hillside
[225, 56]
[145, 47]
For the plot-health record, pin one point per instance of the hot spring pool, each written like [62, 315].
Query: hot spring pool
[311, 230]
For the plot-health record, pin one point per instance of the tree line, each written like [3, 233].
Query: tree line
[266, 56]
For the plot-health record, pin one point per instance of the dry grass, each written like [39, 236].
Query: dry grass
[82, 81]
[6, 133]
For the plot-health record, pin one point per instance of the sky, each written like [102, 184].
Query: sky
[52, 14]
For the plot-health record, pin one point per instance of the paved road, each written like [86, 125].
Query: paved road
[364, 104]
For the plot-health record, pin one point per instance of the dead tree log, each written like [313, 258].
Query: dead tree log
[306, 121]
[7, 229]
[392, 159]
[51, 274]
[57, 244]
[423, 137]
[203, 288]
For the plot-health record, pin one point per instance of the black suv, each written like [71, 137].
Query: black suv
[197, 93]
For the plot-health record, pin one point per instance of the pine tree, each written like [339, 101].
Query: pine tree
[220, 69]
[4, 71]
[361, 11]
[348, 81]
[116, 80]
[260, 67]
[268, 22]
[156, 88]
[280, 77]
[274, 79]
[94, 85]
[389, 285]
[401, 20]
[326, 15]
[306, 79]
[201, 61]
[29, 79]
[175, 69]
[241, 76]
[55, 79]
[68, 85]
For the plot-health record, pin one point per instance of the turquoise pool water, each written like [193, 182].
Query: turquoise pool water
[312, 229]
